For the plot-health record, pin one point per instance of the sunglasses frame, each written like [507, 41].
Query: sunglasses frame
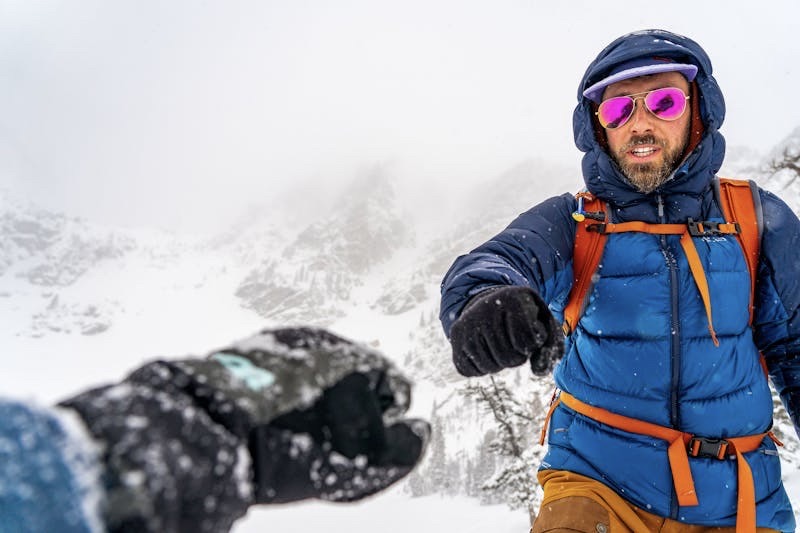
[642, 96]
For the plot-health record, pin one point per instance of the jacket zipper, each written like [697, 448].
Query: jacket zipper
[675, 333]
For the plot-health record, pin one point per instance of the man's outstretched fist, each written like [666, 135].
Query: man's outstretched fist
[502, 328]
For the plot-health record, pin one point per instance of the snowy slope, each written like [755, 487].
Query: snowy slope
[392, 512]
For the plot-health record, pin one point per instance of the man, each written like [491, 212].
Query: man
[188, 445]
[664, 410]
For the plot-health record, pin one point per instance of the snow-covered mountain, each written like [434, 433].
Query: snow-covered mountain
[311, 278]
[44, 253]
[83, 304]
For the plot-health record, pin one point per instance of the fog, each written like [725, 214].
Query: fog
[182, 114]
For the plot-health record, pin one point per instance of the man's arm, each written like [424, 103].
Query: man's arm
[495, 300]
[534, 251]
[777, 318]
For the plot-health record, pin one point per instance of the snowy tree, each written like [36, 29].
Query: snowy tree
[788, 163]
[511, 442]
[438, 472]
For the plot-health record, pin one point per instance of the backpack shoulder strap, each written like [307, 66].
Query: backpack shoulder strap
[586, 254]
[741, 205]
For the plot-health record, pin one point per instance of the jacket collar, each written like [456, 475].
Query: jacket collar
[681, 194]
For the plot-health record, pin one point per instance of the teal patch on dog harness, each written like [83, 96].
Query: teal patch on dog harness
[254, 377]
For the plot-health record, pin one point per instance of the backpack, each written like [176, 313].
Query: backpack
[741, 208]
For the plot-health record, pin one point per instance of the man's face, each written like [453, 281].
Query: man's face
[647, 148]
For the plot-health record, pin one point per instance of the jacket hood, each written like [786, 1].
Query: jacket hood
[600, 173]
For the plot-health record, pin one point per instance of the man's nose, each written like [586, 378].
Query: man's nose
[641, 119]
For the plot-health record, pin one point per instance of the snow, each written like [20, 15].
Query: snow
[391, 512]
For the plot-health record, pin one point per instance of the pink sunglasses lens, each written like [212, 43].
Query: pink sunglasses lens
[615, 112]
[667, 104]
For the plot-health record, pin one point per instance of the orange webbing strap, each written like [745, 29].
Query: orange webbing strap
[738, 204]
[681, 445]
[746, 501]
[645, 227]
[553, 404]
[700, 280]
[586, 255]
[678, 441]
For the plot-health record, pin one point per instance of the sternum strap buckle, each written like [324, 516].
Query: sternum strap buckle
[700, 228]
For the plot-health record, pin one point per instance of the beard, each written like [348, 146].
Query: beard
[647, 177]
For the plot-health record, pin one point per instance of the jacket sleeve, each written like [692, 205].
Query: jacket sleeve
[50, 475]
[777, 305]
[535, 250]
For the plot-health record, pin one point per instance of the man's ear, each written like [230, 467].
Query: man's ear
[599, 131]
[696, 126]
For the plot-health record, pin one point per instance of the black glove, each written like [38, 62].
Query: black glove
[282, 416]
[503, 328]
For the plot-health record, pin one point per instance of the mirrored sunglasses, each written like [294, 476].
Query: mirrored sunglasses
[668, 103]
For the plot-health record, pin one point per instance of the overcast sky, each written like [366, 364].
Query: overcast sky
[168, 112]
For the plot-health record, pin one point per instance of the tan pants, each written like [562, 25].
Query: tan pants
[574, 503]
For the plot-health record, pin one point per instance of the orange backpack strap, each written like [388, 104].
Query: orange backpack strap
[741, 205]
[586, 254]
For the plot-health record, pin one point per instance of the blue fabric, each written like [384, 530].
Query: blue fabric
[642, 348]
[42, 474]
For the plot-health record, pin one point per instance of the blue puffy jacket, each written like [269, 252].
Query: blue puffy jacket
[642, 347]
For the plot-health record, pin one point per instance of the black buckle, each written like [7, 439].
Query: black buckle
[599, 228]
[699, 228]
[696, 229]
[704, 447]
